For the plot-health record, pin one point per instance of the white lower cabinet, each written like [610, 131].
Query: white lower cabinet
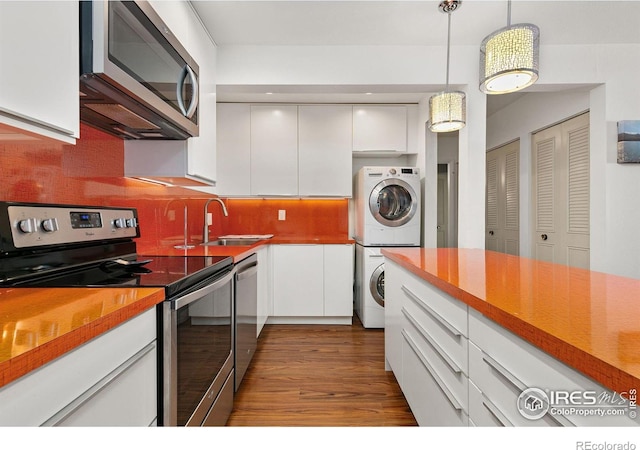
[503, 366]
[109, 381]
[431, 361]
[457, 367]
[432, 402]
[338, 280]
[312, 283]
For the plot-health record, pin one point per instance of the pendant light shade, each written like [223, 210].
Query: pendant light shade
[509, 58]
[448, 109]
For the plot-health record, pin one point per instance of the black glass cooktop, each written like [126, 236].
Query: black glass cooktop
[174, 273]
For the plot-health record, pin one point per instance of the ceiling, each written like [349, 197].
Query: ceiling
[383, 22]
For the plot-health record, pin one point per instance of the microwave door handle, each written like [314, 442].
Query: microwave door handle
[194, 97]
[187, 71]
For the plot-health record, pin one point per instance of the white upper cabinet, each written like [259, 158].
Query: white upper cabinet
[380, 128]
[324, 150]
[303, 150]
[194, 160]
[201, 161]
[39, 70]
[233, 129]
[274, 150]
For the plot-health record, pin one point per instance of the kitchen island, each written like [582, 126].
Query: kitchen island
[586, 323]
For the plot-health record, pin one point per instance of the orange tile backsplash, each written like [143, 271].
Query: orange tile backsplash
[92, 173]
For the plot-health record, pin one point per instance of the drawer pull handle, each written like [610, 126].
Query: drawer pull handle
[427, 337]
[455, 403]
[495, 365]
[99, 386]
[495, 412]
[453, 330]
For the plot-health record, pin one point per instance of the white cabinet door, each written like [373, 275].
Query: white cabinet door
[201, 161]
[39, 67]
[298, 286]
[338, 280]
[234, 149]
[274, 150]
[324, 152]
[380, 128]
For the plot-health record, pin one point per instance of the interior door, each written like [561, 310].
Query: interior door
[443, 205]
[560, 165]
[503, 199]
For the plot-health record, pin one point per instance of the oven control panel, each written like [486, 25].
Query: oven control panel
[40, 225]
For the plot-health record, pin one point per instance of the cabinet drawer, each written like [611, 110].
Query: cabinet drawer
[125, 397]
[431, 401]
[501, 361]
[482, 411]
[448, 312]
[447, 340]
[501, 388]
[441, 365]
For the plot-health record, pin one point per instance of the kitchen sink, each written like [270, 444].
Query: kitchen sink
[235, 241]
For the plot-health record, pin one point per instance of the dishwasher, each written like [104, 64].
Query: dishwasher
[246, 315]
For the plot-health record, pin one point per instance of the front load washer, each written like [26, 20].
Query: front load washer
[369, 301]
[387, 206]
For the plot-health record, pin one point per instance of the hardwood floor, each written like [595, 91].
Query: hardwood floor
[320, 375]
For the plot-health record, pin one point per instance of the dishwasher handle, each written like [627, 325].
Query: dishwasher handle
[247, 272]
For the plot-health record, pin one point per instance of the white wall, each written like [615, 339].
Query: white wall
[615, 245]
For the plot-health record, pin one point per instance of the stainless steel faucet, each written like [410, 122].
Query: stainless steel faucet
[206, 225]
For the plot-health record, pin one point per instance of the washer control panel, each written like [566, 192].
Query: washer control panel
[40, 225]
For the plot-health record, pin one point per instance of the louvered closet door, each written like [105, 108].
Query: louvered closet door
[503, 199]
[560, 165]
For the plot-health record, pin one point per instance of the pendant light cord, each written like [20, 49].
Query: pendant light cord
[509, 13]
[448, 48]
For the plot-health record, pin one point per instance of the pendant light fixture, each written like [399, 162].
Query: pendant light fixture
[509, 57]
[448, 109]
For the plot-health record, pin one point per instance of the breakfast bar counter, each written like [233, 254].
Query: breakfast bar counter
[588, 320]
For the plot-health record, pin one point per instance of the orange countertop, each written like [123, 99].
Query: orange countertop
[588, 320]
[39, 325]
[238, 253]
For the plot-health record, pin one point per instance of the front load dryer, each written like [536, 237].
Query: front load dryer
[387, 206]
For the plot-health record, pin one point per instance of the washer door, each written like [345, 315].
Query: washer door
[393, 202]
[376, 285]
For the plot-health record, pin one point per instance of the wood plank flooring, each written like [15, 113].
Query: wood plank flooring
[320, 375]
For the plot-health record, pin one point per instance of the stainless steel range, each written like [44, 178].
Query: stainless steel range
[46, 245]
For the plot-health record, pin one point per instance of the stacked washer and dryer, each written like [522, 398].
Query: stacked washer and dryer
[386, 214]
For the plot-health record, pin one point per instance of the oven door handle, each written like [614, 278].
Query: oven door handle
[196, 295]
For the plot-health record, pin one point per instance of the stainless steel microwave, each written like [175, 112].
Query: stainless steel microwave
[136, 80]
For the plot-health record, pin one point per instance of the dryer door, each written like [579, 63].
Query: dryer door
[393, 202]
[376, 285]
